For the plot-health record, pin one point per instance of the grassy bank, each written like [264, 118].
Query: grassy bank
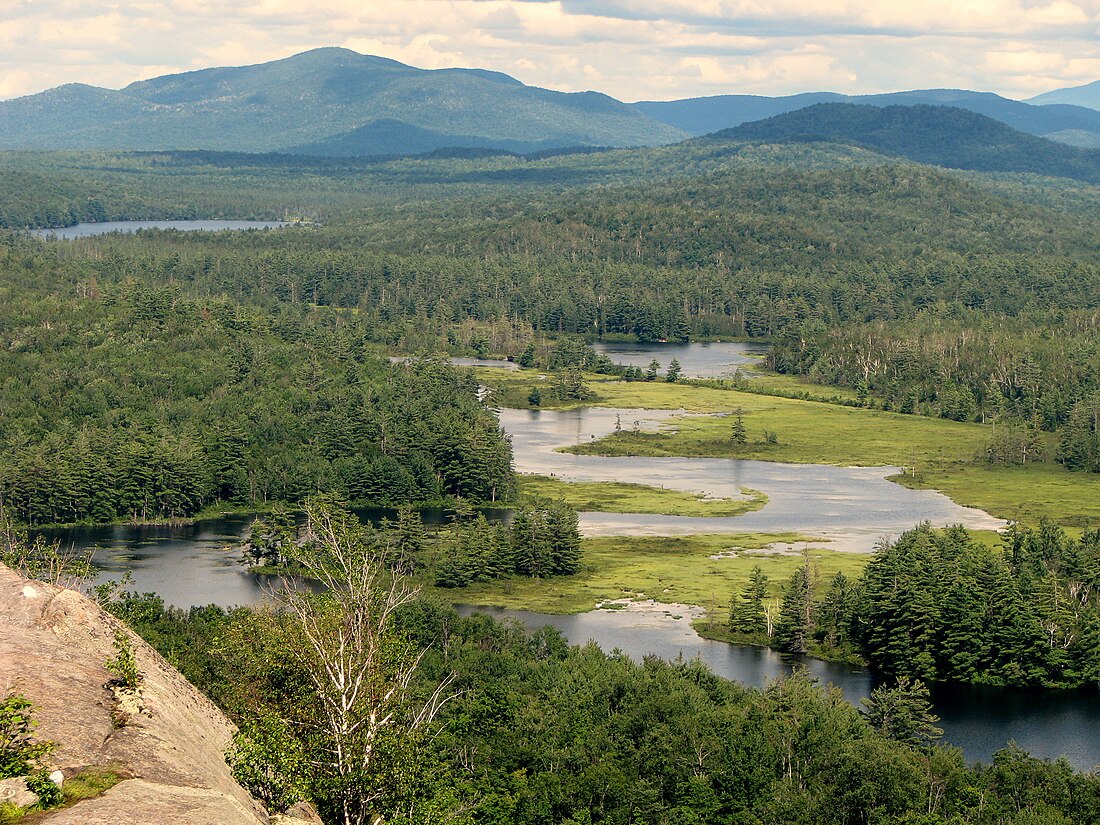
[1025, 493]
[678, 570]
[621, 497]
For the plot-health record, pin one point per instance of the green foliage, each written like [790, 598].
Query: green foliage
[903, 712]
[270, 538]
[938, 606]
[40, 559]
[795, 626]
[570, 385]
[124, 663]
[543, 540]
[212, 402]
[267, 760]
[748, 614]
[542, 732]
[738, 433]
[21, 753]
[49, 795]
[672, 375]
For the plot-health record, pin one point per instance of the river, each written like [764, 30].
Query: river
[85, 230]
[851, 508]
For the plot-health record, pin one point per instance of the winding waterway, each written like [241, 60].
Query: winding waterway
[851, 508]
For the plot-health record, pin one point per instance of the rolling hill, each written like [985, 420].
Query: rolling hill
[703, 115]
[330, 97]
[937, 135]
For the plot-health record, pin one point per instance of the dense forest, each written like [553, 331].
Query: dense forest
[995, 320]
[1038, 371]
[127, 401]
[939, 606]
[154, 375]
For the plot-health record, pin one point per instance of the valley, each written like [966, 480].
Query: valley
[615, 456]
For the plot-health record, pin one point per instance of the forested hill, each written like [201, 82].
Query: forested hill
[320, 95]
[938, 135]
[1059, 121]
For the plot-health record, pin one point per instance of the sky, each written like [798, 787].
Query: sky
[631, 49]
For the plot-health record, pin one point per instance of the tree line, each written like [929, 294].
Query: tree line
[940, 606]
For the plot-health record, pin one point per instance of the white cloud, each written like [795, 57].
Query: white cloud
[633, 49]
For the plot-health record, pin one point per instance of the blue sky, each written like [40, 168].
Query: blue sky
[632, 49]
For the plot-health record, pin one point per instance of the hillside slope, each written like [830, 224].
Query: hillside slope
[53, 646]
[314, 96]
[937, 135]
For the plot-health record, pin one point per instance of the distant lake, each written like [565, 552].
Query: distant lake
[699, 360]
[84, 230]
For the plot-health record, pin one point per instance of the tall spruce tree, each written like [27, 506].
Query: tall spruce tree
[794, 630]
[747, 609]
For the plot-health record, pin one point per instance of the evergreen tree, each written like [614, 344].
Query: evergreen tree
[738, 434]
[747, 613]
[651, 371]
[674, 371]
[903, 712]
[795, 627]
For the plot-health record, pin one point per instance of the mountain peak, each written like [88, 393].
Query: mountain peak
[321, 95]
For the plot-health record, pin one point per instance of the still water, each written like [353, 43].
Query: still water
[852, 507]
[84, 230]
[703, 360]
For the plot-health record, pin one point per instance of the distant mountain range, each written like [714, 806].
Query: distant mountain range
[333, 101]
[336, 102]
[1073, 124]
[937, 135]
[1087, 95]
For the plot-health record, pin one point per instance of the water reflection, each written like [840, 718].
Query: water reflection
[853, 507]
[700, 360]
[84, 230]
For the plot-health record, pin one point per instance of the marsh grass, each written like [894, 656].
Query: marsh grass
[622, 497]
[668, 569]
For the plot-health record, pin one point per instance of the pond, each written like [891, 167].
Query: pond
[85, 230]
[701, 360]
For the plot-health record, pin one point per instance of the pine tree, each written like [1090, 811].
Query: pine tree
[673, 374]
[738, 434]
[903, 712]
[794, 630]
[747, 611]
[651, 372]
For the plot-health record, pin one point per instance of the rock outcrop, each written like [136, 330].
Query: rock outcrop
[170, 742]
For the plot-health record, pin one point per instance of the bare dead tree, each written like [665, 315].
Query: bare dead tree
[361, 669]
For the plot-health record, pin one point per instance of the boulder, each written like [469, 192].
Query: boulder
[15, 792]
[53, 646]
